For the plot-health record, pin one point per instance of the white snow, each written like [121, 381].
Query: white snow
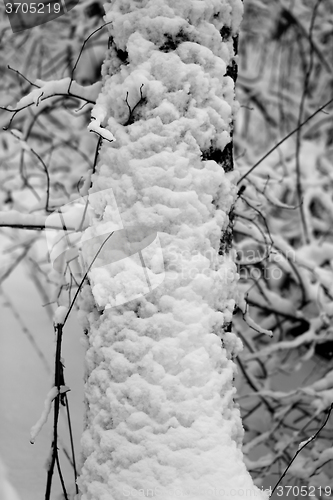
[161, 420]
[95, 126]
[35, 429]
[51, 395]
[60, 315]
[45, 90]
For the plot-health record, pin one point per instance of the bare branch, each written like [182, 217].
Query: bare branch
[312, 438]
[284, 139]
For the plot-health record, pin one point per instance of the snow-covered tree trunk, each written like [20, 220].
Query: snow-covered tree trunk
[161, 420]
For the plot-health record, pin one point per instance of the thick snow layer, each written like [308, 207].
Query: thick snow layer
[161, 421]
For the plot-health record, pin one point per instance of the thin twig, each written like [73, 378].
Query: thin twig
[47, 178]
[98, 147]
[81, 50]
[22, 76]
[299, 188]
[312, 438]
[58, 381]
[131, 110]
[61, 478]
[283, 140]
[253, 386]
[84, 278]
[71, 441]
[58, 376]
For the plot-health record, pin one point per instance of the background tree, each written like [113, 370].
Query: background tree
[283, 237]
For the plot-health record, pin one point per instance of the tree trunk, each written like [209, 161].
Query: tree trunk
[161, 421]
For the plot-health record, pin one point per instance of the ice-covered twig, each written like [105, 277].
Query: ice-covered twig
[243, 306]
[51, 395]
[60, 315]
[305, 338]
[302, 446]
[95, 126]
[54, 88]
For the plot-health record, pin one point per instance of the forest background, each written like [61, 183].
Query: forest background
[282, 236]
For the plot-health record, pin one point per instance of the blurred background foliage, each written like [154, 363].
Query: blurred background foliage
[283, 238]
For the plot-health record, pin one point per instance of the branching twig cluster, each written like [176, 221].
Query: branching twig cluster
[283, 240]
[282, 229]
[36, 142]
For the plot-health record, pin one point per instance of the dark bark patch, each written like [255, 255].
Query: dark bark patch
[213, 154]
[171, 43]
[122, 55]
[235, 44]
[223, 158]
[232, 70]
[226, 237]
[228, 158]
[225, 33]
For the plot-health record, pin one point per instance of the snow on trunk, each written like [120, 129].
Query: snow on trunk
[161, 421]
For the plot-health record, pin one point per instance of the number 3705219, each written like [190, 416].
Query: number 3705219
[32, 8]
[303, 491]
